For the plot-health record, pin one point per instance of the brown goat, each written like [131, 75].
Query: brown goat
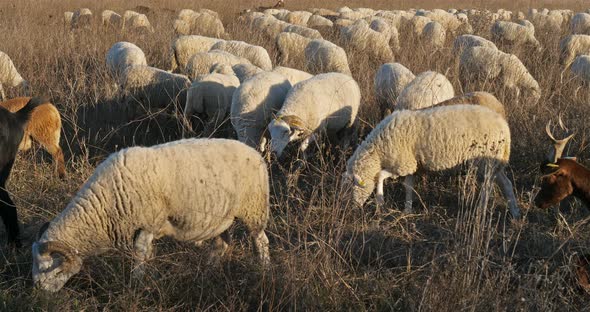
[44, 128]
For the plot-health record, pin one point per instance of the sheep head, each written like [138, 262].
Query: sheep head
[361, 189]
[53, 265]
[285, 129]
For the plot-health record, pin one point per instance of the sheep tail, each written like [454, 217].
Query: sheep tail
[24, 113]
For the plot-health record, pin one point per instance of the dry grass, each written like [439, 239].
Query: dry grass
[461, 252]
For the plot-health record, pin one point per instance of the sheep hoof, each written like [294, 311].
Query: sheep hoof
[380, 199]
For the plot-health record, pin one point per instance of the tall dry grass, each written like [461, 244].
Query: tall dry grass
[459, 252]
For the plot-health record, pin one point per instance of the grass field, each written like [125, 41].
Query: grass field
[455, 254]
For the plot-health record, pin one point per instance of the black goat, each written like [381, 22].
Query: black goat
[12, 127]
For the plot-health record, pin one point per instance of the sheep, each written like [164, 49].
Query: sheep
[434, 35]
[303, 31]
[322, 12]
[44, 127]
[343, 22]
[432, 139]
[203, 24]
[394, 19]
[82, 18]
[12, 128]
[417, 24]
[211, 95]
[293, 75]
[477, 98]
[515, 34]
[322, 56]
[319, 22]
[254, 103]
[298, 17]
[122, 55]
[153, 88]
[449, 22]
[291, 48]
[390, 81]
[269, 26]
[427, 89]
[184, 47]
[481, 63]
[301, 118]
[127, 16]
[468, 41]
[580, 24]
[144, 193]
[581, 68]
[360, 37]
[379, 24]
[547, 23]
[9, 76]
[573, 46]
[257, 55]
[201, 63]
[68, 17]
[111, 19]
[245, 71]
[138, 23]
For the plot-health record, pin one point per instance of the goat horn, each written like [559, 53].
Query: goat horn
[49, 247]
[558, 145]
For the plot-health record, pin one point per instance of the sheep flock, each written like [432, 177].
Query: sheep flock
[383, 158]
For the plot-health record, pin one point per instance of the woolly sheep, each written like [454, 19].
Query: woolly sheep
[203, 24]
[202, 63]
[581, 68]
[449, 22]
[479, 63]
[379, 24]
[394, 19]
[322, 56]
[417, 24]
[184, 47]
[153, 88]
[68, 17]
[127, 16]
[291, 48]
[9, 76]
[44, 127]
[343, 22]
[269, 26]
[432, 139]
[580, 24]
[211, 95]
[360, 37]
[144, 193]
[122, 55]
[298, 17]
[318, 22]
[468, 41]
[293, 75]
[245, 71]
[434, 35]
[257, 55]
[301, 118]
[390, 81]
[515, 34]
[254, 103]
[111, 18]
[138, 23]
[82, 18]
[303, 31]
[427, 89]
[323, 12]
[480, 98]
[547, 23]
[572, 46]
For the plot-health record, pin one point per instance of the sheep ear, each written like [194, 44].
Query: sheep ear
[358, 181]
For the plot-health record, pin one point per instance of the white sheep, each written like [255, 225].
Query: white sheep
[254, 103]
[323, 56]
[191, 190]
[390, 81]
[361, 38]
[257, 55]
[468, 41]
[431, 139]
[449, 22]
[480, 98]
[9, 76]
[111, 19]
[203, 24]
[82, 18]
[581, 68]
[138, 23]
[580, 24]
[572, 46]
[293, 75]
[515, 34]
[202, 63]
[303, 31]
[291, 48]
[481, 63]
[127, 16]
[416, 25]
[210, 98]
[327, 103]
[269, 26]
[68, 17]
[381, 25]
[427, 89]
[434, 35]
[298, 17]
[547, 23]
[184, 47]
[245, 71]
[122, 55]
[319, 22]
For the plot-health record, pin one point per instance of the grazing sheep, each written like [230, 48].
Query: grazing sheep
[82, 18]
[254, 103]
[322, 56]
[477, 98]
[203, 24]
[303, 31]
[9, 76]
[191, 190]
[416, 25]
[298, 17]
[468, 41]
[450, 22]
[343, 22]
[379, 24]
[481, 64]
[184, 47]
[257, 55]
[127, 16]
[319, 22]
[269, 26]
[580, 24]
[44, 127]
[111, 19]
[434, 35]
[573, 46]
[68, 17]
[291, 48]
[361, 38]
[515, 34]
[122, 55]
[581, 68]
[211, 95]
[550, 23]
[293, 75]
[12, 128]
[138, 23]
[390, 81]
[245, 71]
[301, 118]
[202, 63]
[427, 89]
[432, 139]
[153, 88]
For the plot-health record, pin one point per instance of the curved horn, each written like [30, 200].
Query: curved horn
[45, 249]
[558, 145]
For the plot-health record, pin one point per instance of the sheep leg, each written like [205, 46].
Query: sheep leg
[261, 243]
[8, 208]
[409, 187]
[508, 192]
[143, 251]
[379, 198]
[2, 93]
